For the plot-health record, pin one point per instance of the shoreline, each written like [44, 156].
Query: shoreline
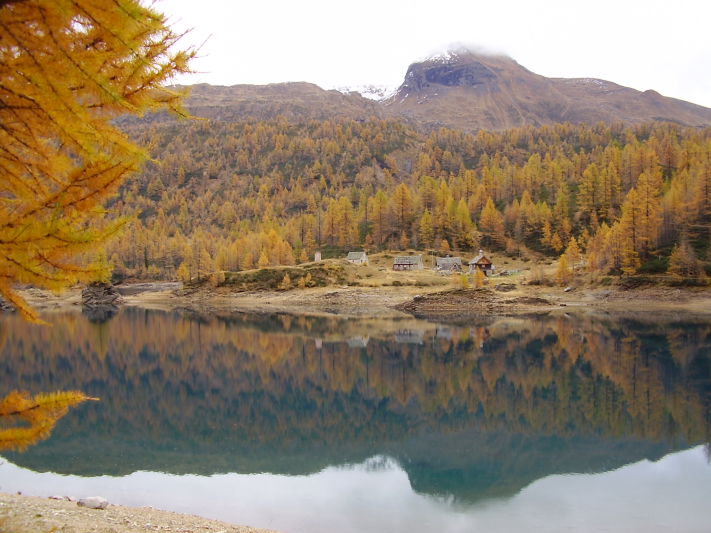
[31, 514]
[395, 302]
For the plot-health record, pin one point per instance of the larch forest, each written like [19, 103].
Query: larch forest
[228, 196]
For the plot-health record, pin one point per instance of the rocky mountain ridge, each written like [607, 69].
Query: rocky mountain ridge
[463, 90]
[473, 91]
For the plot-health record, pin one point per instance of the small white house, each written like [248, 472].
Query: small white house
[357, 258]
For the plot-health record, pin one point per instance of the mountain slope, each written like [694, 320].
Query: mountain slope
[470, 91]
[462, 90]
[295, 101]
[298, 102]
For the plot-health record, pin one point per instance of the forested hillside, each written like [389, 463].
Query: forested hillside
[238, 195]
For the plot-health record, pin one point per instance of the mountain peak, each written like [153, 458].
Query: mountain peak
[460, 67]
[463, 54]
[470, 89]
[460, 88]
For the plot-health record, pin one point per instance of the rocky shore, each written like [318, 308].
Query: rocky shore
[432, 303]
[28, 514]
[463, 304]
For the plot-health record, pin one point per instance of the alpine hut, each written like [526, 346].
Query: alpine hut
[482, 263]
[448, 265]
[408, 262]
[357, 258]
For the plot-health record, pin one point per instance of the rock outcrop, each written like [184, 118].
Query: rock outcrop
[93, 502]
[100, 301]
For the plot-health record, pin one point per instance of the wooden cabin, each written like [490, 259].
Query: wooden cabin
[448, 265]
[357, 258]
[482, 263]
[408, 262]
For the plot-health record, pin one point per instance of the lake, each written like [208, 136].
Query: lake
[301, 424]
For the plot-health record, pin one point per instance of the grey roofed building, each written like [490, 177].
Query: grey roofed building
[448, 264]
[358, 258]
[408, 262]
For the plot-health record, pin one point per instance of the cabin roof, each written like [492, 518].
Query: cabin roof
[356, 255]
[408, 260]
[481, 258]
[448, 261]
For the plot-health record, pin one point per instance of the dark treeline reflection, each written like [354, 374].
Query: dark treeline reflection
[470, 411]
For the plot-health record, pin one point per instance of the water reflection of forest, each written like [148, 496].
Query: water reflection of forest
[252, 393]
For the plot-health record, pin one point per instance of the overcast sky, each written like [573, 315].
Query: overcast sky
[649, 44]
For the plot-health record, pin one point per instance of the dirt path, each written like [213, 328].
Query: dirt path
[28, 514]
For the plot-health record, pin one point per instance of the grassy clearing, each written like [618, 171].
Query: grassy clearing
[378, 273]
[321, 274]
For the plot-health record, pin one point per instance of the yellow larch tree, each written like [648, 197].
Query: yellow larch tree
[464, 280]
[67, 69]
[573, 253]
[380, 219]
[491, 224]
[426, 232]
[649, 188]
[402, 209]
[28, 420]
[263, 260]
[683, 262]
[631, 220]
[563, 273]
[589, 194]
[479, 278]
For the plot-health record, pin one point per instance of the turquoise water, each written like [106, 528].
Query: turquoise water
[592, 423]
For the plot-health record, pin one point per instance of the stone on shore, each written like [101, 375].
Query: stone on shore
[93, 502]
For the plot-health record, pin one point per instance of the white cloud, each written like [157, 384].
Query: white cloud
[669, 495]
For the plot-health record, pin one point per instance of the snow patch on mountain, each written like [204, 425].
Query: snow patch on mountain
[372, 92]
[445, 57]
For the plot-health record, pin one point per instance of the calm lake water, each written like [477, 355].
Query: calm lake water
[555, 423]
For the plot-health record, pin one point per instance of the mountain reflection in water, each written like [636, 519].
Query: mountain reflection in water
[467, 412]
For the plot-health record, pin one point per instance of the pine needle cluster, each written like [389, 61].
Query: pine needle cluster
[67, 68]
